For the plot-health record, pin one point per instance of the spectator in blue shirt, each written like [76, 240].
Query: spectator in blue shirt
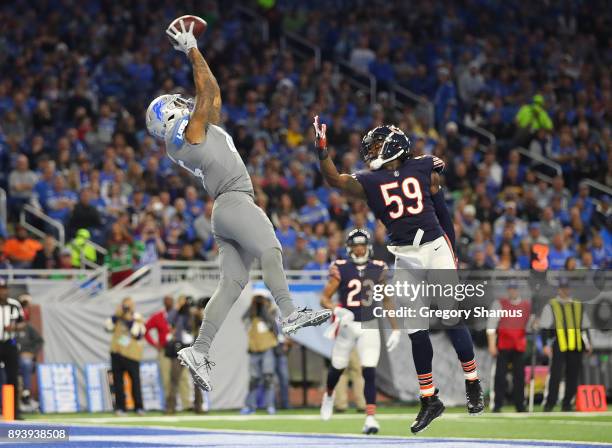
[382, 69]
[320, 262]
[584, 202]
[313, 212]
[285, 233]
[558, 253]
[601, 254]
[195, 206]
[445, 101]
[60, 201]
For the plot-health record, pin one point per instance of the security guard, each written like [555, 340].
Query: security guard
[563, 323]
[12, 319]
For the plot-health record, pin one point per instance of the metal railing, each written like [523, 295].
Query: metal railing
[400, 96]
[480, 133]
[257, 19]
[3, 209]
[88, 284]
[538, 159]
[169, 271]
[58, 226]
[359, 80]
[80, 283]
[301, 47]
[598, 186]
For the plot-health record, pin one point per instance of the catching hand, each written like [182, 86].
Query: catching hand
[182, 40]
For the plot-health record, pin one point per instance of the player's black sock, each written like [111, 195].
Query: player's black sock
[462, 341]
[333, 376]
[422, 353]
[369, 388]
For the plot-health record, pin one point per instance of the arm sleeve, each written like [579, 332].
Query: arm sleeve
[493, 319]
[444, 216]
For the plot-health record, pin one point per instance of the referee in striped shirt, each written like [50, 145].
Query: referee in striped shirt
[11, 321]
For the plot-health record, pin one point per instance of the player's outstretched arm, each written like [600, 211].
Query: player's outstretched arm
[208, 99]
[208, 95]
[344, 182]
[437, 196]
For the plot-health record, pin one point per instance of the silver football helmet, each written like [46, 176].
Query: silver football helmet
[166, 110]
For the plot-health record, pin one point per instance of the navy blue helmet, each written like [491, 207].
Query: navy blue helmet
[357, 237]
[384, 144]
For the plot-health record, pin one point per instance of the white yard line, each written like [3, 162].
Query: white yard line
[314, 417]
[426, 441]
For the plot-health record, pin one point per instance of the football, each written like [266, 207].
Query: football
[198, 28]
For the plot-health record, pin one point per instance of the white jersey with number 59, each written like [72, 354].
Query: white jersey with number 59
[215, 161]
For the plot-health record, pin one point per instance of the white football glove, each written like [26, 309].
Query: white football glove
[393, 340]
[182, 40]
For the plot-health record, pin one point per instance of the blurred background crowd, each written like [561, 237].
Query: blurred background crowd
[77, 77]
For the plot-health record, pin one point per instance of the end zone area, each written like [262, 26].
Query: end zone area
[303, 428]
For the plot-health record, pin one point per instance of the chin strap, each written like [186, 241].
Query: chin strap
[378, 163]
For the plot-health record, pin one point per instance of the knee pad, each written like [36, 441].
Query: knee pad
[268, 380]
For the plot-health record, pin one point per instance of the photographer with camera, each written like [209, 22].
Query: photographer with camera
[181, 322]
[127, 328]
[260, 319]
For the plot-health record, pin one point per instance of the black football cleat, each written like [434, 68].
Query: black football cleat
[431, 408]
[475, 397]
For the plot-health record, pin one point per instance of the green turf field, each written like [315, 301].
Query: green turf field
[394, 421]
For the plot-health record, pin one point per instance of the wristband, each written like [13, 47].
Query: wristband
[323, 154]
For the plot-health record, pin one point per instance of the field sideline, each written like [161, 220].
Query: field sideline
[394, 421]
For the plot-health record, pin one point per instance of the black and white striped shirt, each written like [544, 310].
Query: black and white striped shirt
[10, 313]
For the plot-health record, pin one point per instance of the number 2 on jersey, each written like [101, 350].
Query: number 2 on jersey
[411, 189]
[355, 287]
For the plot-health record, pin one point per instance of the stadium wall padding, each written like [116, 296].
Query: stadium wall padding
[74, 333]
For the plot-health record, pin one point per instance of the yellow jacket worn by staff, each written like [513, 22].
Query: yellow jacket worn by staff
[261, 337]
[567, 320]
[568, 324]
[127, 336]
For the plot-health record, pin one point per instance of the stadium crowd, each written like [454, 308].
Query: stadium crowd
[78, 76]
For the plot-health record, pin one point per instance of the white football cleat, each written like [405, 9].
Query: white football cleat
[304, 317]
[199, 367]
[370, 426]
[327, 406]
